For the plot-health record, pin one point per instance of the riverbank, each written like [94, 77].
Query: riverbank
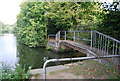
[89, 69]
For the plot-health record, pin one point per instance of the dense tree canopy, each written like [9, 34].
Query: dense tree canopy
[111, 24]
[73, 16]
[111, 21]
[38, 19]
[30, 24]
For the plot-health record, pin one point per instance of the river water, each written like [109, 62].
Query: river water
[12, 53]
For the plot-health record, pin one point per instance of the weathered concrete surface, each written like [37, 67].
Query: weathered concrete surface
[49, 69]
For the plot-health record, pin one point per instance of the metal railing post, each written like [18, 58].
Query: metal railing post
[74, 35]
[65, 36]
[57, 39]
[72, 59]
[59, 35]
[91, 40]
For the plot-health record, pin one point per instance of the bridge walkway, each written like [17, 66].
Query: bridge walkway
[99, 44]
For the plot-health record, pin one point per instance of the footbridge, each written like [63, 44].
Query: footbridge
[92, 43]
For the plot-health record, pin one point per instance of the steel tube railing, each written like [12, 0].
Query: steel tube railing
[108, 36]
[97, 39]
[72, 59]
[101, 44]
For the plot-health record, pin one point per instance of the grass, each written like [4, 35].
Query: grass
[91, 69]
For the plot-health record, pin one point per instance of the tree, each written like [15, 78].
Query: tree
[111, 24]
[4, 28]
[73, 16]
[36, 18]
[30, 28]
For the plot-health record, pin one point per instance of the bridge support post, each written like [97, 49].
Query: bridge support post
[57, 39]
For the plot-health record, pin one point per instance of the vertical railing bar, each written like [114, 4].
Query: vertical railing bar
[91, 40]
[59, 35]
[56, 39]
[68, 35]
[116, 52]
[116, 48]
[113, 48]
[71, 35]
[108, 47]
[65, 35]
[119, 49]
[98, 43]
[105, 46]
[79, 36]
[74, 36]
[95, 40]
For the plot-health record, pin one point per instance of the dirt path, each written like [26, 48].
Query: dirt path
[62, 75]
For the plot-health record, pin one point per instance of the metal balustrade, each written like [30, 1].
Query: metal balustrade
[100, 43]
[103, 46]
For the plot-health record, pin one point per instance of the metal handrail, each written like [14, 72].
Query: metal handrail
[108, 36]
[100, 45]
[73, 59]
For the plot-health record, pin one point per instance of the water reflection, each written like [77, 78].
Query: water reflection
[35, 57]
[31, 56]
[8, 49]
[14, 53]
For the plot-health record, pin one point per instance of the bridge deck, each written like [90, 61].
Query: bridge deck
[79, 46]
[100, 44]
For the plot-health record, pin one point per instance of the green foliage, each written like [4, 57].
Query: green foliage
[111, 24]
[61, 50]
[48, 48]
[17, 73]
[31, 28]
[37, 19]
[4, 28]
[73, 16]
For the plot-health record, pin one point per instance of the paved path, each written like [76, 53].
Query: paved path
[49, 69]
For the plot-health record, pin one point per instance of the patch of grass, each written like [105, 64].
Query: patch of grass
[91, 69]
[94, 69]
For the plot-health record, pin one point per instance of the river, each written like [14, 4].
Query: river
[11, 53]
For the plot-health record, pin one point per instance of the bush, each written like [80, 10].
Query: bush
[17, 73]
